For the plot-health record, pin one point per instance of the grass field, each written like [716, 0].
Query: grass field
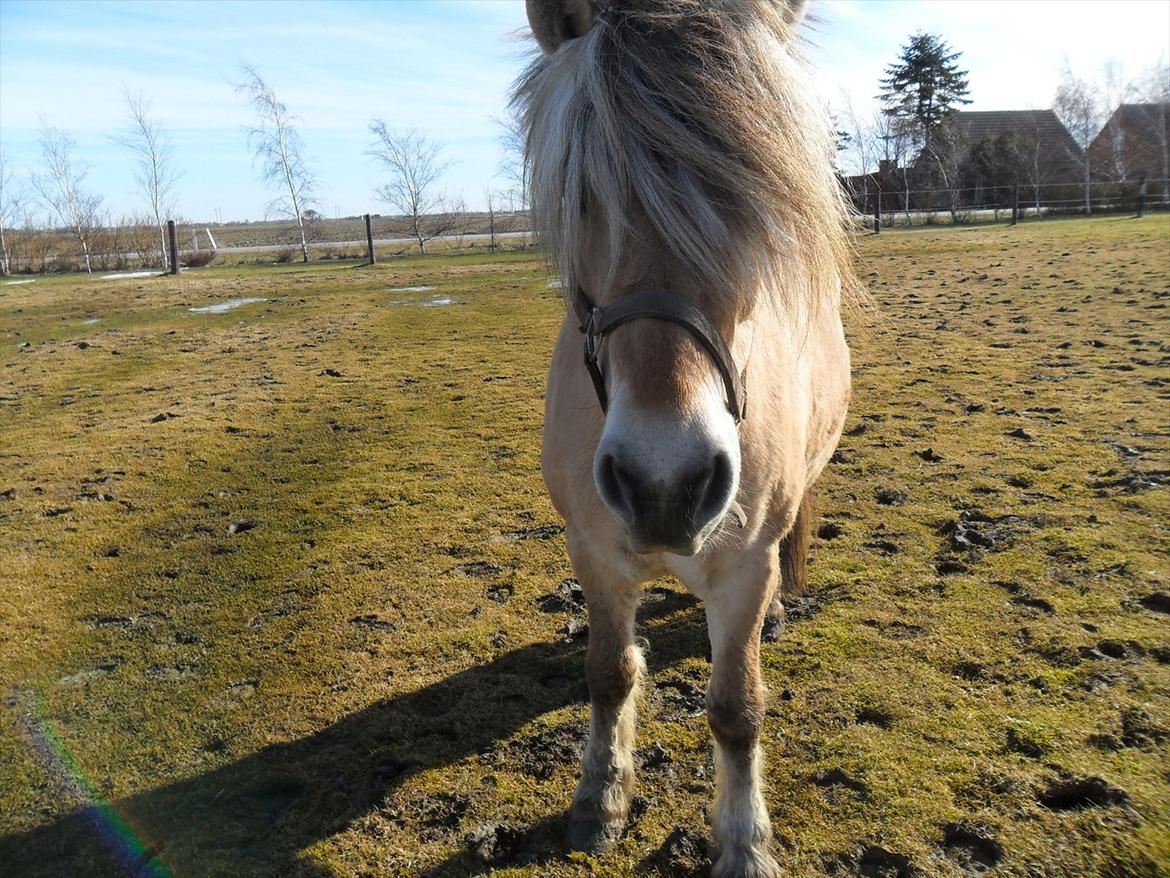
[282, 594]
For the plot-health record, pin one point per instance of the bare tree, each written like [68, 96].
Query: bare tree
[1078, 104]
[949, 150]
[278, 147]
[60, 188]
[416, 168]
[1114, 90]
[490, 196]
[864, 149]
[155, 174]
[899, 146]
[1153, 91]
[513, 168]
[12, 198]
[1034, 163]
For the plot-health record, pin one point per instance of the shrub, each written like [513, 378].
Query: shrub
[198, 258]
[285, 255]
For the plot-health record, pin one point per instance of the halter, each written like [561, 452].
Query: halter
[597, 322]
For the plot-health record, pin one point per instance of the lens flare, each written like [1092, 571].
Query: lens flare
[127, 847]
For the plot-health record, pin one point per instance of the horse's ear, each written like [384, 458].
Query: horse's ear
[554, 21]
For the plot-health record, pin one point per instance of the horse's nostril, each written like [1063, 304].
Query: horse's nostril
[616, 484]
[667, 508]
[712, 490]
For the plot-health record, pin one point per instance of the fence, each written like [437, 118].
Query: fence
[118, 247]
[1008, 203]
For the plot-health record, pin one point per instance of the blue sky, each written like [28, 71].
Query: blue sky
[443, 66]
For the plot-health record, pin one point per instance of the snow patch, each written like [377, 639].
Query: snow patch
[228, 305]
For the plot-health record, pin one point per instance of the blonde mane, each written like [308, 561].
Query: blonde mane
[691, 126]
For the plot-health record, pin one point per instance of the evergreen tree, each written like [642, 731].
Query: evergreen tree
[924, 86]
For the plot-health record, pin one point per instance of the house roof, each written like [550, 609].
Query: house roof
[1140, 119]
[1060, 153]
[1054, 138]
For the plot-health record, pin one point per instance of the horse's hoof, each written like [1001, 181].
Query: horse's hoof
[591, 835]
[746, 866]
[774, 622]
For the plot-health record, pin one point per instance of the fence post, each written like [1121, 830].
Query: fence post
[1015, 204]
[877, 212]
[370, 241]
[1141, 205]
[173, 241]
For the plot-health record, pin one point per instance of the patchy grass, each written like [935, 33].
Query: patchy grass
[280, 584]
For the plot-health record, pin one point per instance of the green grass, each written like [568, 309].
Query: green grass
[357, 682]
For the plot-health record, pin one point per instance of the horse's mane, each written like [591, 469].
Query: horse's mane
[691, 125]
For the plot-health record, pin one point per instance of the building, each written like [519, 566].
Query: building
[980, 157]
[1134, 143]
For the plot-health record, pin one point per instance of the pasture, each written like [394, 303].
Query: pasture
[282, 593]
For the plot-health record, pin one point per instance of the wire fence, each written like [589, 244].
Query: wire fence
[132, 246]
[893, 206]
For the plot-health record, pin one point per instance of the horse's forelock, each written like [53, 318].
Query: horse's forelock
[692, 126]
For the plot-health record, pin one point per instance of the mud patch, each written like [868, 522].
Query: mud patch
[682, 698]
[543, 532]
[1078, 793]
[874, 861]
[683, 854]
[836, 779]
[547, 752]
[567, 597]
[373, 622]
[496, 843]
[975, 533]
[477, 570]
[971, 847]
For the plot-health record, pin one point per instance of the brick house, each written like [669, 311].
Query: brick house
[1134, 143]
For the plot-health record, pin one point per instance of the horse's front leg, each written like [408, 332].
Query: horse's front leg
[613, 667]
[735, 710]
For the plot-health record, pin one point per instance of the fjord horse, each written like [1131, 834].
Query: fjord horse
[681, 182]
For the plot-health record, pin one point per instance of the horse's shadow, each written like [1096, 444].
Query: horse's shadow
[255, 815]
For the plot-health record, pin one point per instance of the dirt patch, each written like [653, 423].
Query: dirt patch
[1077, 793]
[496, 843]
[567, 597]
[477, 569]
[973, 848]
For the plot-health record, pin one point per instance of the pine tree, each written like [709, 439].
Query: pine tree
[924, 86]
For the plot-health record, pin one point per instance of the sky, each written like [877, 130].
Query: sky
[443, 67]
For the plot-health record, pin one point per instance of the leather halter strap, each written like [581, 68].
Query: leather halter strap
[597, 322]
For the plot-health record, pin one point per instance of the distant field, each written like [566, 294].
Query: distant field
[276, 232]
[279, 582]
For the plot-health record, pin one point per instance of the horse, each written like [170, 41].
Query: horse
[681, 184]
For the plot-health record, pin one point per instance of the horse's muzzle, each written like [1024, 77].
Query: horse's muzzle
[665, 512]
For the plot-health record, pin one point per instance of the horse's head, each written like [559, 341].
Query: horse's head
[668, 460]
[652, 184]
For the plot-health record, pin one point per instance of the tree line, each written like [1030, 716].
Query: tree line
[54, 200]
[915, 141]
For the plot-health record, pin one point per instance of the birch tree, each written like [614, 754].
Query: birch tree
[279, 150]
[513, 168]
[60, 188]
[1153, 91]
[489, 196]
[155, 173]
[1113, 92]
[11, 201]
[416, 169]
[1078, 105]
[863, 148]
